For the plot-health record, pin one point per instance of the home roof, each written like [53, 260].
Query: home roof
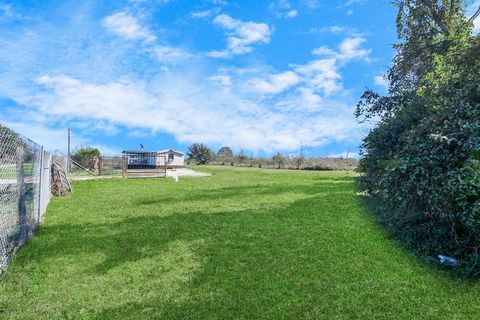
[152, 152]
[170, 150]
[137, 151]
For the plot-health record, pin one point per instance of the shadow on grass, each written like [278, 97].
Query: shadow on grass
[316, 187]
[291, 261]
[142, 236]
[249, 259]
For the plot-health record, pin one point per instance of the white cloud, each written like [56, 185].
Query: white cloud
[324, 51]
[220, 2]
[53, 139]
[129, 27]
[280, 5]
[336, 29]
[349, 49]
[167, 53]
[352, 2]
[193, 100]
[106, 150]
[225, 81]
[318, 76]
[283, 9]
[291, 14]
[312, 4]
[112, 101]
[380, 81]
[329, 29]
[241, 36]
[182, 106]
[301, 100]
[125, 25]
[309, 99]
[103, 127]
[275, 83]
[205, 13]
[322, 74]
[50, 138]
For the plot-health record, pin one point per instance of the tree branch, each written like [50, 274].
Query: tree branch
[475, 15]
[436, 18]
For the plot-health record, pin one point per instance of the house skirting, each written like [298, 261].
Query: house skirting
[152, 166]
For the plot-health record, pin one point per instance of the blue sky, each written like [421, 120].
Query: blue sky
[264, 76]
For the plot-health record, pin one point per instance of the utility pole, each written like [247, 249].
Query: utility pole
[301, 157]
[68, 151]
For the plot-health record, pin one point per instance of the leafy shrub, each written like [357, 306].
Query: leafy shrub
[421, 162]
[200, 153]
[84, 156]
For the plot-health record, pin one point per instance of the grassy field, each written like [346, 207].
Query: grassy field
[243, 243]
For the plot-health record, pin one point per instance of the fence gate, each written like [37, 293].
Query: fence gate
[144, 165]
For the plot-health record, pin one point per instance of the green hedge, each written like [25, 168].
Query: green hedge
[421, 163]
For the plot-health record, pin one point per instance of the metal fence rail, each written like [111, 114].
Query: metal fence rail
[24, 190]
[144, 165]
[78, 167]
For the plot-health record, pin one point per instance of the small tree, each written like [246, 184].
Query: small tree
[279, 160]
[84, 156]
[225, 152]
[200, 153]
[242, 157]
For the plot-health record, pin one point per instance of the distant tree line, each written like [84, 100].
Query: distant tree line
[200, 154]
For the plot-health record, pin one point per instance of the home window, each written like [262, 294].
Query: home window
[170, 157]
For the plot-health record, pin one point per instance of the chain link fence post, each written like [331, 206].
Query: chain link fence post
[24, 190]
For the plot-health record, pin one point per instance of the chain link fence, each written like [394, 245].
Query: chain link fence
[24, 190]
[89, 166]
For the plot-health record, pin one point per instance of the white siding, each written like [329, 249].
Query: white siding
[178, 159]
[160, 160]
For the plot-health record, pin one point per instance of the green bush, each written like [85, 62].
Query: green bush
[421, 162]
[84, 156]
[199, 153]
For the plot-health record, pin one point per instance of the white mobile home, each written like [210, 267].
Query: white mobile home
[154, 159]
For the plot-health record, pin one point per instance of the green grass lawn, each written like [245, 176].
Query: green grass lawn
[243, 243]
